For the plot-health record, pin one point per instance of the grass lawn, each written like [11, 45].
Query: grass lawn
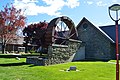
[12, 69]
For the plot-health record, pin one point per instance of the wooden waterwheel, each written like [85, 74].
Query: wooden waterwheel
[60, 30]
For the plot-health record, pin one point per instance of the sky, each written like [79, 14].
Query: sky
[96, 11]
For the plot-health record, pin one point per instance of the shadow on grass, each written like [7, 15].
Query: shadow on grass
[91, 60]
[13, 64]
[32, 65]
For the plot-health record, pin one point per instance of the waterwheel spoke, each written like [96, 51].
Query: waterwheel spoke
[72, 35]
[69, 33]
[63, 42]
[61, 25]
[58, 37]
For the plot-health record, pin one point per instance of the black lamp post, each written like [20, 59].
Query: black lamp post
[116, 8]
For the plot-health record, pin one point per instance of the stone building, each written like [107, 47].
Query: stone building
[99, 42]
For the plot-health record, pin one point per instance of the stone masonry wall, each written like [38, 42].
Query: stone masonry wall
[62, 53]
[57, 54]
[97, 46]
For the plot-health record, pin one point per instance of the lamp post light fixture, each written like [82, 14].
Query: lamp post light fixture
[116, 8]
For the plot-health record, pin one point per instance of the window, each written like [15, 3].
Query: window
[85, 25]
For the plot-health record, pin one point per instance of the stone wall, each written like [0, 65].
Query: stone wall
[57, 54]
[97, 45]
[63, 53]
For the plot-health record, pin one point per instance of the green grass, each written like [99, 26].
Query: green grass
[12, 69]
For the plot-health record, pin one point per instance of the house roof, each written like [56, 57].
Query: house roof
[18, 40]
[110, 31]
[100, 29]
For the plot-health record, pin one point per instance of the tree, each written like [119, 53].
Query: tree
[11, 20]
[35, 34]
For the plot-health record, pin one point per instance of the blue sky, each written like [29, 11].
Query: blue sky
[96, 11]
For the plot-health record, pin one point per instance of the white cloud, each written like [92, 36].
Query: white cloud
[100, 3]
[89, 2]
[25, 1]
[114, 1]
[52, 7]
[72, 3]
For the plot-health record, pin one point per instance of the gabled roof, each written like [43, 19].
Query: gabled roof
[110, 31]
[97, 28]
[18, 40]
